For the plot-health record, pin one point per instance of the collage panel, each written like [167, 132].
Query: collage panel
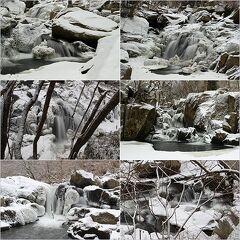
[173, 120]
[60, 120]
[193, 199]
[60, 199]
[185, 40]
[60, 39]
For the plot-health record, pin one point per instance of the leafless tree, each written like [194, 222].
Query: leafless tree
[22, 125]
[43, 118]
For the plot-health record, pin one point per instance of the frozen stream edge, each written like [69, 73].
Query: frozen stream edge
[133, 150]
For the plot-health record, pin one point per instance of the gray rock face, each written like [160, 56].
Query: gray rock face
[80, 25]
[97, 196]
[201, 108]
[185, 134]
[126, 71]
[82, 179]
[138, 121]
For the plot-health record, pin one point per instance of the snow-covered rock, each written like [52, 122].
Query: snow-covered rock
[82, 179]
[82, 25]
[135, 25]
[26, 36]
[45, 10]
[185, 134]
[15, 7]
[97, 196]
[107, 49]
[138, 121]
[42, 51]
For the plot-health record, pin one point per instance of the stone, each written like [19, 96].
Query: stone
[124, 57]
[126, 71]
[15, 7]
[104, 218]
[97, 196]
[26, 36]
[138, 121]
[82, 179]
[79, 230]
[110, 183]
[148, 170]
[219, 136]
[76, 24]
[230, 123]
[185, 134]
[131, 49]
[136, 25]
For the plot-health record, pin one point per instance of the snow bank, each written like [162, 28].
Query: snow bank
[105, 65]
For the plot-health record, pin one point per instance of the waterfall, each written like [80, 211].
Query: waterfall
[62, 49]
[50, 191]
[60, 128]
[184, 47]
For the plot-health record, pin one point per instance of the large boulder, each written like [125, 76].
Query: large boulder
[185, 134]
[149, 170]
[104, 217]
[80, 25]
[230, 123]
[26, 36]
[202, 108]
[82, 179]
[45, 10]
[219, 136]
[135, 25]
[15, 7]
[97, 197]
[138, 121]
[126, 71]
[227, 61]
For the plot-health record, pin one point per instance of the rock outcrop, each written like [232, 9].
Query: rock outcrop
[138, 121]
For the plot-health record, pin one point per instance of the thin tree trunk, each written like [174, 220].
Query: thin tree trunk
[75, 134]
[5, 113]
[94, 124]
[43, 118]
[94, 111]
[21, 129]
[74, 111]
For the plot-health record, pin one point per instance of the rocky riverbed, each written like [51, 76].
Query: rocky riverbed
[86, 206]
[170, 199]
[201, 122]
[38, 37]
[197, 40]
[63, 117]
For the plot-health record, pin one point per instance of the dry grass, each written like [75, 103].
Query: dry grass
[52, 171]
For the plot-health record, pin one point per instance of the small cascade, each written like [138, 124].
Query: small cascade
[184, 47]
[50, 200]
[62, 49]
[188, 195]
[60, 128]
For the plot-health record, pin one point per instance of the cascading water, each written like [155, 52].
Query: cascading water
[60, 129]
[184, 46]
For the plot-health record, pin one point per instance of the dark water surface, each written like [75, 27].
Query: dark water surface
[186, 147]
[35, 231]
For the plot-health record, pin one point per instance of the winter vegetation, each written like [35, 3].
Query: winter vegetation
[179, 200]
[59, 120]
[59, 39]
[180, 120]
[180, 39]
[81, 206]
